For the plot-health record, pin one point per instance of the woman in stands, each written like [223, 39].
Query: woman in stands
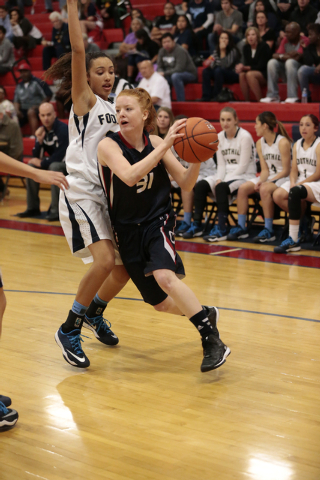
[221, 68]
[134, 172]
[253, 72]
[267, 34]
[90, 19]
[165, 120]
[166, 23]
[304, 183]
[137, 13]
[235, 157]
[274, 150]
[25, 35]
[184, 35]
[146, 49]
[83, 213]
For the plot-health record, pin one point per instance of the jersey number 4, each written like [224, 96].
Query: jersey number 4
[145, 182]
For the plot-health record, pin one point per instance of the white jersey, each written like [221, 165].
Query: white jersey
[229, 153]
[271, 155]
[306, 159]
[85, 133]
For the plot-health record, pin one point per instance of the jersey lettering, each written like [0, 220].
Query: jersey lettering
[145, 182]
[109, 118]
[273, 168]
[231, 160]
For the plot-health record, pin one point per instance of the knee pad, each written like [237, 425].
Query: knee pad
[222, 191]
[296, 194]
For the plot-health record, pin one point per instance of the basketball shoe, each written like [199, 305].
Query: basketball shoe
[264, 236]
[5, 400]
[195, 230]
[237, 232]
[215, 352]
[216, 235]
[288, 245]
[70, 344]
[8, 417]
[101, 329]
[183, 227]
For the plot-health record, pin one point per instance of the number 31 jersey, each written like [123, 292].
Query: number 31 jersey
[147, 199]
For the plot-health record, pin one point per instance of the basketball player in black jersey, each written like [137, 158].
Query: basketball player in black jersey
[134, 174]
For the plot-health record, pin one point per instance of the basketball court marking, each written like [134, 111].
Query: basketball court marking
[226, 251]
[141, 300]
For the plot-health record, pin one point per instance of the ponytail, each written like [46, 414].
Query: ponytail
[283, 131]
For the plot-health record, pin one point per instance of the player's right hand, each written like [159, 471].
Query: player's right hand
[174, 132]
[52, 178]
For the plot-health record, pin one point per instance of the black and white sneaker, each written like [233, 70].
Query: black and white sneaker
[8, 417]
[5, 400]
[70, 344]
[101, 329]
[215, 353]
[213, 317]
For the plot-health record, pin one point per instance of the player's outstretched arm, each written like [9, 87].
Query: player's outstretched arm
[13, 167]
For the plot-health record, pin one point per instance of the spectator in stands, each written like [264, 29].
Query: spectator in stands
[269, 6]
[309, 72]
[303, 14]
[51, 138]
[146, 49]
[6, 52]
[7, 105]
[284, 63]
[176, 65]
[267, 34]
[89, 47]
[200, 14]
[274, 150]
[130, 41]
[236, 165]
[49, 6]
[89, 17]
[253, 72]
[304, 183]
[165, 24]
[60, 41]
[221, 68]
[230, 20]
[10, 139]
[25, 35]
[184, 35]
[165, 120]
[137, 13]
[28, 95]
[5, 21]
[155, 84]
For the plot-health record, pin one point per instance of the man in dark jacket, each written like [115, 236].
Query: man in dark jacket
[60, 41]
[51, 138]
[304, 14]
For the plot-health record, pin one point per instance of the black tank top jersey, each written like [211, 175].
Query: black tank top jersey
[148, 199]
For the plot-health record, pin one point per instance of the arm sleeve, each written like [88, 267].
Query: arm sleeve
[245, 156]
[209, 20]
[221, 165]
[60, 152]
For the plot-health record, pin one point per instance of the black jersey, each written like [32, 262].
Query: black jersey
[148, 199]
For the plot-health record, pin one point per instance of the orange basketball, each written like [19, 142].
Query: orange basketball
[199, 143]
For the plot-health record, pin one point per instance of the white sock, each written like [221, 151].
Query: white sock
[294, 232]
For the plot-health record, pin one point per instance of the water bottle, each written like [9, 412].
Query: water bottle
[304, 96]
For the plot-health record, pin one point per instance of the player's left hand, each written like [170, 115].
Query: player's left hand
[173, 132]
[53, 178]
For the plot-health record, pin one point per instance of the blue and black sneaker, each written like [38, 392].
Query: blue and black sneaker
[237, 232]
[5, 400]
[101, 329]
[264, 236]
[181, 229]
[194, 230]
[216, 235]
[288, 245]
[8, 417]
[70, 344]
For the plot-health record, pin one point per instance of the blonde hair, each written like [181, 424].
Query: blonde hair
[171, 117]
[232, 111]
[256, 31]
[145, 103]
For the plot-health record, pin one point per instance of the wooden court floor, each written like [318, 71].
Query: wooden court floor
[143, 410]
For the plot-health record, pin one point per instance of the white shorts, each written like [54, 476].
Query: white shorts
[315, 187]
[278, 182]
[84, 217]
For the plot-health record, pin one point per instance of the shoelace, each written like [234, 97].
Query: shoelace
[182, 226]
[75, 342]
[265, 233]
[101, 323]
[3, 409]
[215, 231]
[287, 241]
[235, 230]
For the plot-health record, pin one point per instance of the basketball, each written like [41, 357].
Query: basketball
[199, 143]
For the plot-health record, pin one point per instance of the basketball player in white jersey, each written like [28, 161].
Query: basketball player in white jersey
[274, 150]
[304, 183]
[8, 416]
[83, 210]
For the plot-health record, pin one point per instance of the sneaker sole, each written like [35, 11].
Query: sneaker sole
[233, 238]
[261, 240]
[215, 239]
[85, 325]
[294, 249]
[65, 356]
[224, 358]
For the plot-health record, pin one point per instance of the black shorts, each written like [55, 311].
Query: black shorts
[1, 283]
[148, 247]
